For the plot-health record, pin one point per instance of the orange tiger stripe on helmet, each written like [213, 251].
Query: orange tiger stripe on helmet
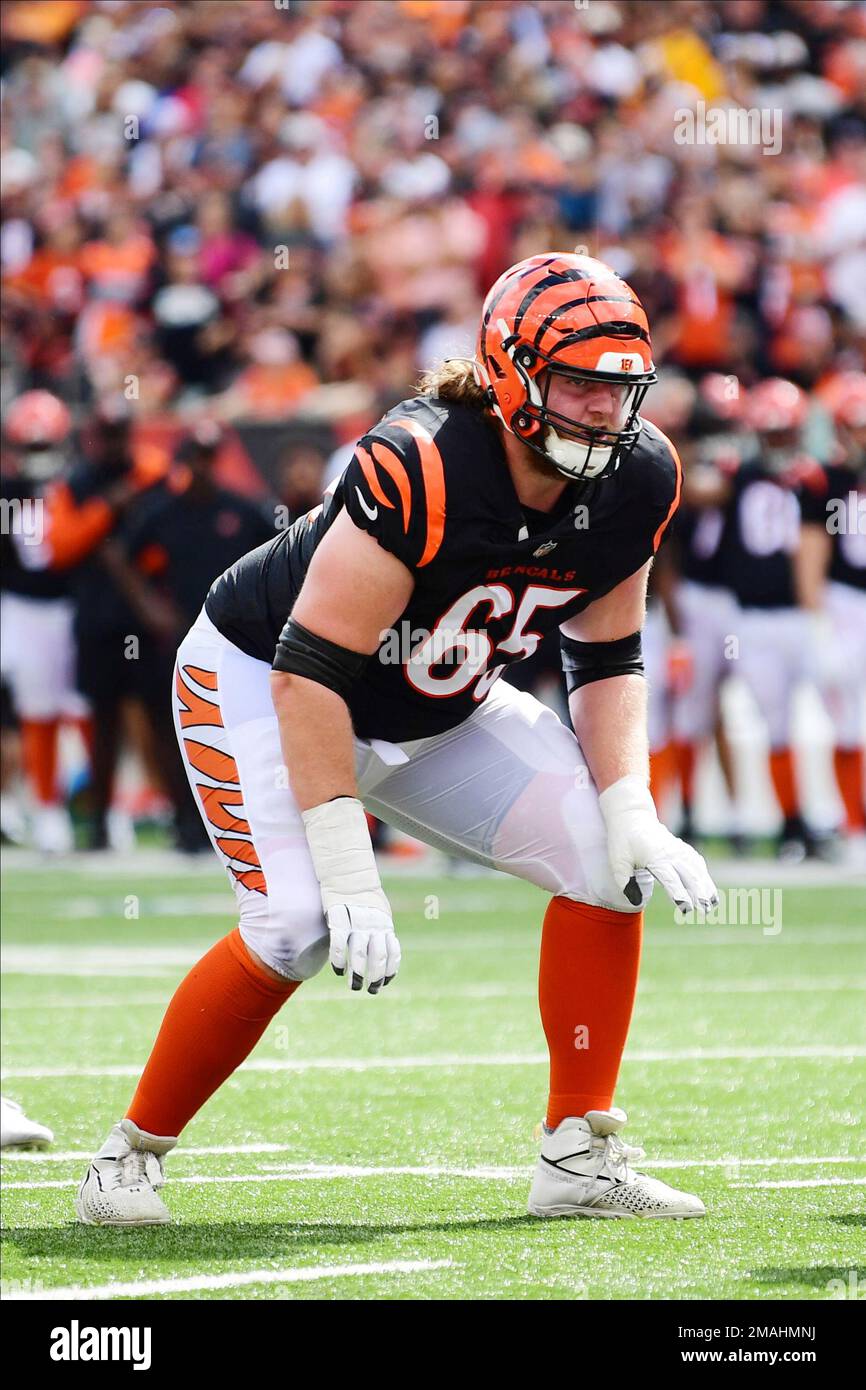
[599, 309]
[220, 766]
[545, 299]
[195, 709]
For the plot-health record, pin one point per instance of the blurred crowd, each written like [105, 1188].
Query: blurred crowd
[235, 232]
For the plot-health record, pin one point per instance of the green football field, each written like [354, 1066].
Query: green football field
[382, 1147]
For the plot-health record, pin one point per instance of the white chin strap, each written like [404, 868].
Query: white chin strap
[572, 458]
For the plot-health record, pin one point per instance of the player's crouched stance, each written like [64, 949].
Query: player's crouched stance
[518, 494]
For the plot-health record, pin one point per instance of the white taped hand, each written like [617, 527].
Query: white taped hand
[636, 839]
[364, 945]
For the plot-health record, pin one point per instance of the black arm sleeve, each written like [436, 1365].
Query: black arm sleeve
[303, 653]
[585, 662]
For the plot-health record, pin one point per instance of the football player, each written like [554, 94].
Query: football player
[760, 503]
[361, 651]
[831, 577]
[705, 600]
[37, 646]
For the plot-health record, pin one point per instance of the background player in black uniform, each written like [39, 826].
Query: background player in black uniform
[522, 494]
[760, 535]
[831, 582]
[182, 534]
[705, 601]
[37, 649]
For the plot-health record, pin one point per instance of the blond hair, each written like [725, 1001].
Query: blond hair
[453, 380]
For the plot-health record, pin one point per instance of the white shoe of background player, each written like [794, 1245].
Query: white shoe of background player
[119, 1188]
[18, 1131]
[52, 830]
[584, 1171]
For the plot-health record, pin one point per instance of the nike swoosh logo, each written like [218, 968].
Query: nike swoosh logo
[371, 512]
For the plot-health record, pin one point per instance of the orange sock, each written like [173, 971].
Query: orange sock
[586, 989]
[662, 772]
[784, 781]
[216, 1017]
[686, 755]
[848, 764]
[39, 755]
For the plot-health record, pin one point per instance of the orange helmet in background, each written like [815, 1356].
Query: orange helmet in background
[567, 315]
[776, 406]
[38, 424]
[36, 420]
[844, 396]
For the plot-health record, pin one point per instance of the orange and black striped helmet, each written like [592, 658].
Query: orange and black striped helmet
[569, 316]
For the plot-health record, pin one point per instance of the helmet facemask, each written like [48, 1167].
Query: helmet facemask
[577, 450]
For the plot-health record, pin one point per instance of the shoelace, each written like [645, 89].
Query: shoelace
[140, 1165]
[618, 1155]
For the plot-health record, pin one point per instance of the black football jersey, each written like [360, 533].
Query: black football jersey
[840, 506]
[762, 532]
[195, 535]
[700, 541]
[430, 482]
[23, 555]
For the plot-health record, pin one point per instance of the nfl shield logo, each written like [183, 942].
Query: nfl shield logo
[544, 549]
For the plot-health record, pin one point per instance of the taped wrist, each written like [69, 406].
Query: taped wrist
[585, 662]
[628, 796]
[342, 854]
[303, 653]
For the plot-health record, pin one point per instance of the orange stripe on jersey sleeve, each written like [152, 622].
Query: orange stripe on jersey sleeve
[433, 473]
[657, 538]
[368, 468]
[396, 469]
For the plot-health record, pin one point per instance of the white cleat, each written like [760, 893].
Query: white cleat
[18, 1131]
[119, 1188]
[584, 1170]
[52, 830]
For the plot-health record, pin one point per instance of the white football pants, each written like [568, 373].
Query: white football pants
[709, 619]
[774, 659]
[845, 694]
[508, 788]
[37, 656]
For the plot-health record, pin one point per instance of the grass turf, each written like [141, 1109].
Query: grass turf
[737, 1054]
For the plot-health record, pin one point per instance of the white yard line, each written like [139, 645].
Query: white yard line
[142, 1288]
[242, 1150]
[756, 985]
[807, 1182]
[505, 1059]
[758, 872]
[161, 962]
[331, 1172]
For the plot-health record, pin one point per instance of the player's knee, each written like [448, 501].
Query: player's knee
[293, 943]
[595, 886]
